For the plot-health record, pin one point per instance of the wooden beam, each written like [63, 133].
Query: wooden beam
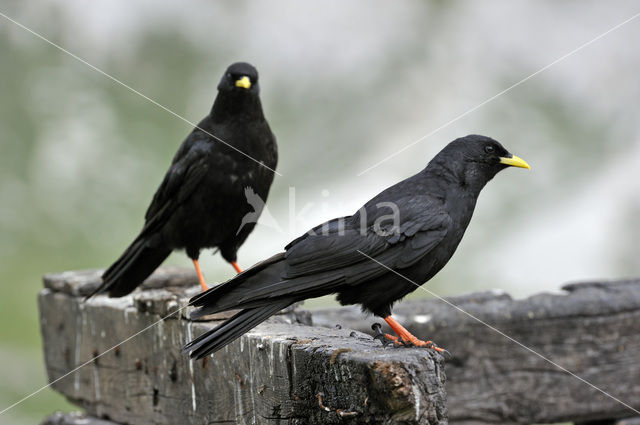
[280, 371]
[592, 330]
[75, 418]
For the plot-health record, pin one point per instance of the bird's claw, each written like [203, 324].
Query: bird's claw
[445, 353]
[386, 339]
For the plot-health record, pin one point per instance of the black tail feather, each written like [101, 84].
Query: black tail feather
[135, 264]
[226, 295]
[225, 333]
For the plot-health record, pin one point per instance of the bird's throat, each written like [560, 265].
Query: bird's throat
[236, 105]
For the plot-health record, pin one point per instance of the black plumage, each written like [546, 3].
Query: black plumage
[203, 198]
[413, 228]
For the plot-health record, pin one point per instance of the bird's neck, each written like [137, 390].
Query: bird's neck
[450, 185]
[236, 106]
[458, 176]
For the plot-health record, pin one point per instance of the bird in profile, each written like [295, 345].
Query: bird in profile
[201, 201]
[405, 234]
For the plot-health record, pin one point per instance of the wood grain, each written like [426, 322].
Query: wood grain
[592, 330]
[281, 372]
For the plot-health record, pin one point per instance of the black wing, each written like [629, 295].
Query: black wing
[319, 264]
[422, 224]
[183, 177]
[147, 251]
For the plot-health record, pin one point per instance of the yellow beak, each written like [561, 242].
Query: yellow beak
[243, 82]
[515, 161]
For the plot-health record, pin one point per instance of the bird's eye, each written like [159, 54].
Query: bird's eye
[489, 149]
[229, 76]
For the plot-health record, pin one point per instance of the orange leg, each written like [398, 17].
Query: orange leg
[236, 266]
[405, 337]
[200, 276]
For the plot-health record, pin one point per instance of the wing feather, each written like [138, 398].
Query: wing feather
[179, 183]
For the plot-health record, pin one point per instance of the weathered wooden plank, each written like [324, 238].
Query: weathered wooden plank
[83, 282]
[77, 418]
[281, 372]
[74, 418]
[593, 330]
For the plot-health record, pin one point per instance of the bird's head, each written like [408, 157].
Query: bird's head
[240, 78]
[474, 159]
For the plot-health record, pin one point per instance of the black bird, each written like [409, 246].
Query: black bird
[412, 228]
[201, 201]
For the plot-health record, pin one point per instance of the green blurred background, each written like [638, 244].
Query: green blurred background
[344, 85]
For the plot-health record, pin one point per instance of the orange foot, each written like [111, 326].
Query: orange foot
[405, 338]
[200, 276]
